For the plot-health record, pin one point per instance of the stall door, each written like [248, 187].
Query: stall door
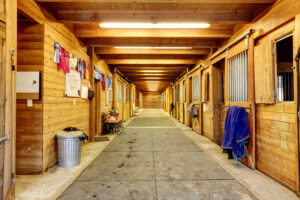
[196, 122]
[6, 120]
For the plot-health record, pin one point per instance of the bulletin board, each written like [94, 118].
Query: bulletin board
[73, 84]
[28, 85]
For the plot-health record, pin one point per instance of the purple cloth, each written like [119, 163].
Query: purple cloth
[236, 133]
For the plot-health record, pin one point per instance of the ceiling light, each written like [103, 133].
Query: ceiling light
[158, 25]
[153, 47]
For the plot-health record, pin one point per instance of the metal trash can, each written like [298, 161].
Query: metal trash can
[69, 148]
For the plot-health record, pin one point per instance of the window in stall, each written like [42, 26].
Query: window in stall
[284, 68]
[238, 78]
[181, 93]
[206, 88]
[196, 86]
[125, 94]
[174, 95]
[119, 93]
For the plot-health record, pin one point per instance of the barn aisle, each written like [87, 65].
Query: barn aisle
[153, 159]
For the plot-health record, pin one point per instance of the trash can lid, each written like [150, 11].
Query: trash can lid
[69, 134]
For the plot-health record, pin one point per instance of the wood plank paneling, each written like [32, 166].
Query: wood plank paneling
[60, 112]
[276, 142]
[151, 100]
[29, 127]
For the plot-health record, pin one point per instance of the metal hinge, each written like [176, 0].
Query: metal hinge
[5, 139]
[298, 114]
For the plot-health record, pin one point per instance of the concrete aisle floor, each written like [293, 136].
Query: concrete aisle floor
[154, 160]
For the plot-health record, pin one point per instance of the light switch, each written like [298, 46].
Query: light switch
[29, 102]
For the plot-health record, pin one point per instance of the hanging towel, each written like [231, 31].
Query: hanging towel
[109, 81]
[103, 83]
[97, 74]
[236, 133]
[56, 53]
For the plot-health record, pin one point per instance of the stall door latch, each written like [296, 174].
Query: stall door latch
[5, 138]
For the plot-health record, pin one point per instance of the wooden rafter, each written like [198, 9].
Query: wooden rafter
[160, 1]
[199, 51]
[208, 16]
[150, 56]
[90, 32]
[156, 42]
[151, 61]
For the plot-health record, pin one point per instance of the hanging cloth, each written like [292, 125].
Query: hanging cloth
[236, 132]
[81, 69]
[97, 74]
[75, 62]
[66, 62]
[109, 81]
[84, 69]
[56, 53]
[61, 59]
[79, 65]
[88, 71]
[103, 83]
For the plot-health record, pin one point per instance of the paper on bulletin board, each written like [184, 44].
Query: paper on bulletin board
[73, 84]
[84, 91]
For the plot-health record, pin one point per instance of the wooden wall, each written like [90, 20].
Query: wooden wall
[276, 131]
[102, 104]
[151, 100]
[103, 67]
[8, 15]
[58, 111]
[29, 131]
[207, 109]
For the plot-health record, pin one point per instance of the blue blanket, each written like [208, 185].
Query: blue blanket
[236, 131]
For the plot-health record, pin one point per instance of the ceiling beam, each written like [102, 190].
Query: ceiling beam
[86, 32]
[158, 1]
[151, 61]
[152, 66]
[203, 51]
[150, 75]
[149, 56]
[154, 16]
[152, 42]
[153, 79]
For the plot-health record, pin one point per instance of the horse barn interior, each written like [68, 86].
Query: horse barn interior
[149, 99]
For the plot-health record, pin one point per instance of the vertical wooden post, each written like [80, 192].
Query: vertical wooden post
[251, 99]
[115, 87]
[296, 90]
[92, 102]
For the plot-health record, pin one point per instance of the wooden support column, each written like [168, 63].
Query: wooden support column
[296, 90]
[114, 85]
[93, 101]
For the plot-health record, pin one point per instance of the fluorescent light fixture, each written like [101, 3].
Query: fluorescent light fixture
[158, 25]
[153, 47]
